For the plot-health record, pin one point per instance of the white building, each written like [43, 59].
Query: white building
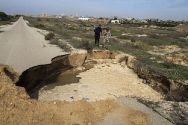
[129, 18]
[115, 21]
[84, 18]
[58, 16]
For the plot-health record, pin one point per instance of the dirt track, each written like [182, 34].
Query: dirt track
[23, 47]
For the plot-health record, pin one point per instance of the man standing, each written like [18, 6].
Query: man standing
[98, 31]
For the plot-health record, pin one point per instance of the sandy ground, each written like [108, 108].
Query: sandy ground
[23, 47]
[104, 81]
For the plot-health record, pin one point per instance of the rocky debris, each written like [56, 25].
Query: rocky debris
[125, 60]
[175, 112]
[101, 54]
[77, 58]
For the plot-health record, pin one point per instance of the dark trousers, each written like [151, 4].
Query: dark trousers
[97, 38]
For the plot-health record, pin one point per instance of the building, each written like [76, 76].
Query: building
[58, 16]
[115, 21]
[84, 18]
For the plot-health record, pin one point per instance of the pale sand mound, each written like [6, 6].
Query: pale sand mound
[104, 81]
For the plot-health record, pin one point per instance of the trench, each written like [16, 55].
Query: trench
[91, 82]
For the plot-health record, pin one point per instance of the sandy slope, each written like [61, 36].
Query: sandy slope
[23, 47]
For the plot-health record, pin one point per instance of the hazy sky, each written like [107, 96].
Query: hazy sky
[163, 9]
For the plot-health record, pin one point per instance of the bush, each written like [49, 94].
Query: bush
[49, 36]
[39, 19]
[133, 40]
[62, 44]
[4, 16]
[86, 45]
[40, 26]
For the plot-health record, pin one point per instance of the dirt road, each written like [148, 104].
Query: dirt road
[23, 47]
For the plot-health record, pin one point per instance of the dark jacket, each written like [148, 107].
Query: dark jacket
[98, 31]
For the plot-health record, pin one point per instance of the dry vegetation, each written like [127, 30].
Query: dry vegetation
[137, 40]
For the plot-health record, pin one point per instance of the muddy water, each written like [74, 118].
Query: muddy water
[70, 76]
[65, 78]
[103, 81]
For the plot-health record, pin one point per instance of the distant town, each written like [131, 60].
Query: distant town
[115, 20]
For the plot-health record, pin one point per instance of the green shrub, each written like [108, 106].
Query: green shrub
[49, 36]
